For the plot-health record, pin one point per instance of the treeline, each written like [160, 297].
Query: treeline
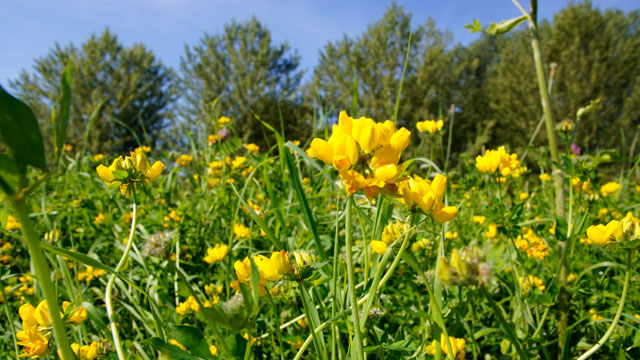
[490, 84]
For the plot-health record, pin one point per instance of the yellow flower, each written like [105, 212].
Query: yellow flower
[143, 148]
[184, 160]
[457, 346]
[601, 234]
[85, 352]
[190, 305]
[98, 157]
[609, 188]
[544, 177]
[176, 343]
[99, 219]
[426, 195]
[280, 260]
[530, 282]
[212, 139]
[302, 259]
[477, 219]
[213, 350]
[77, 314]
[223, 120]
[390, 234]
[35, 344]
[430, 126]
[499, 159]
[238, 161]
[595, 316]
[524, 196]
[572, 277]
[363, 141]
[241, 231]
[12, 224]
[130, 170]
[252, 148]
[217, 253]
[451, 235]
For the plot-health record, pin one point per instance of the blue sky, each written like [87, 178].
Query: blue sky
[30, 28]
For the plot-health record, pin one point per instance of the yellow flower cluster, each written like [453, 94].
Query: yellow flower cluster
[430, 126]
[584, 186]
[451, 235]
[416, 192]
[529, 282]
[223, 120]
[270, 268]
[626, 229]
[391, 233]
[595, 316]
[12, 224]
[478, 219]
[457, 345]
[532, 244]
[544, 177]
[365, 153]
[217, 253]
[184, 160]
[241, 231]
[189, 306]
[609, 188]
[143, 148]
[99, 219]
[89, 274]
[212, 139]
[86, 352]
[252, 148]
[36, 326]
[238, 162]
[492, 231]
[498, 160]
[130, 170]
[420, 244]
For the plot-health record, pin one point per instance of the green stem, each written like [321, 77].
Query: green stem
[43, 274]
[112, 279]
[612, 327]
[10, 319]
[437, 311]
[503, 322]
[247, 351]
[352, 286]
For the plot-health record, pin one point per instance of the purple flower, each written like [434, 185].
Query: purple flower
[575, 149]
[223, 134]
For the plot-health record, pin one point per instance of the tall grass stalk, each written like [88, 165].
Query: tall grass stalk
[121, 264]
[43, 273]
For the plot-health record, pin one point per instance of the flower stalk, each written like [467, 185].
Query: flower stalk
[614, 323]
[112, 279]
[352, 286]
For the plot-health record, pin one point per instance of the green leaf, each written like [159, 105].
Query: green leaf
[505, 26]
[20, 132]
[474, 27]
[120, 174]
[64, 105]
[9, 174]
[172, 351]
[192, 339]
[302, 198]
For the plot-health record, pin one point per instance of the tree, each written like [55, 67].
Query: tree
[133, 84]
[597, 56]
[246, 72]
[376, 59]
